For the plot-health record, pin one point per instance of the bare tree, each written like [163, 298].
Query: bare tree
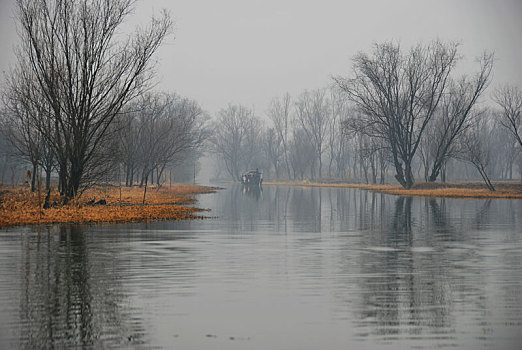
[273, 149]
[10, 162]
[506, 150]
[313, 117]
[452, 116]
[366, 156]
[475, 148]
[336, 137]
[128, 148]
[279, 114]
[299, 153]
[509, 99]
[398, 94]
[236, 138]
[22, 135]
[5, 155]
[164, 129]
[188, 132]
[85, 75]
[22, 105]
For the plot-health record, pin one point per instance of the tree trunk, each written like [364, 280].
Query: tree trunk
[485, 177]
[145, 189]
[409, 175]
[374, 170]
[142, 178]
[320, 165]
[48, 179]
[62, 183]
[160, 174]
[399, 174]
[33, 178]
[354, 167]
[364, 168]
[126, 174]
[404, 177]
[71, 187]
[435, 171]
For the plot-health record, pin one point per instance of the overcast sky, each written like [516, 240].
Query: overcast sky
[241, 51]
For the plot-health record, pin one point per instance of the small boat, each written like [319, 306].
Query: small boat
[252, 178]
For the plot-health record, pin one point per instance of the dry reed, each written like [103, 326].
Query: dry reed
[18, 206]
[506, 190]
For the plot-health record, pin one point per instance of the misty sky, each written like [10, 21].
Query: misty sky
[240, 51]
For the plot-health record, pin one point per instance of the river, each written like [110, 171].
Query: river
[284, 268]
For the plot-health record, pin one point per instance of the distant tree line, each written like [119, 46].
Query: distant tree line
[156, 133]
[401, 112]
[78, 104]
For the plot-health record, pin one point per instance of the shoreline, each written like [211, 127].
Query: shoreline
[20, 207]
[467, 190]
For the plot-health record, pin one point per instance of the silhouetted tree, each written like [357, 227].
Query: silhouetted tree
[236, 139]
[476, 149]
[279, 114]
[301, 153]
[452, 116]
[509, 99]
[398, 94]
[70, 51]
[273, 149]
[313, 117]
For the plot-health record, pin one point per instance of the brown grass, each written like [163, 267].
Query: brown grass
[511, 190]
[18, 206]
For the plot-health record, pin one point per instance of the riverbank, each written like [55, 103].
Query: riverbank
[18, 206]
[511, 190]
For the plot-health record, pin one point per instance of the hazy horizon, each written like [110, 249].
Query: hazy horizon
[249, 52]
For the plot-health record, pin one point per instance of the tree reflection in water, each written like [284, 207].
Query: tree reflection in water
[340, 264]
[71, 297]
[404, 290]
[413, 271]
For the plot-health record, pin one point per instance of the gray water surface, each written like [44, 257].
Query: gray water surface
[285, 268]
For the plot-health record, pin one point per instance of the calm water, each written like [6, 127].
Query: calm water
[288, 268]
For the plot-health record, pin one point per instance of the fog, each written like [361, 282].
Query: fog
[236, 51]
[239, 55]
[99, 97]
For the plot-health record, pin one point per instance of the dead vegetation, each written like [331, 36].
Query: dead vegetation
[430, 189]
[18, 206]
